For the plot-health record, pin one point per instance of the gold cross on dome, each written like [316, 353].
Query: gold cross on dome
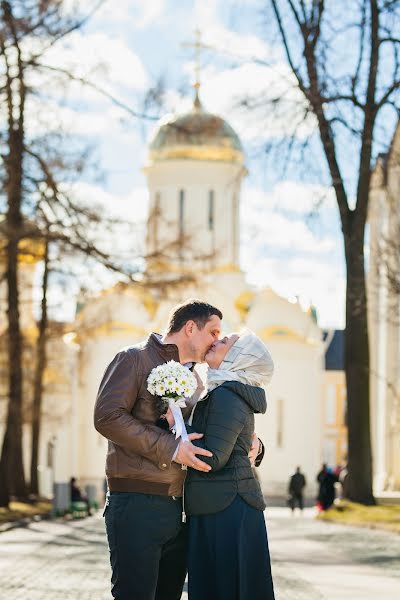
[198, 46]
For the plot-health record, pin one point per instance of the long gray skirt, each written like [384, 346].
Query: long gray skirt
[228, 556]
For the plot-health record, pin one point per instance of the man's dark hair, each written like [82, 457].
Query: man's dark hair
[191, 310]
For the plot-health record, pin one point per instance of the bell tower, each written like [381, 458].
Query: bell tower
[194, 172]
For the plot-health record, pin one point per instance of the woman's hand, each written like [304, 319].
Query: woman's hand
[254, 450]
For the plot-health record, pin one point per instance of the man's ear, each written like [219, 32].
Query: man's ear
[189, 327]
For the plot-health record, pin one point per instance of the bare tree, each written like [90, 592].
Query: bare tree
[31, 174]
[343, 79]
[41, 360]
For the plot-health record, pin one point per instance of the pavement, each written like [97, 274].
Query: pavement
[313, 560]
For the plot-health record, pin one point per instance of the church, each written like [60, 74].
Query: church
[195, 168]
[194, 171]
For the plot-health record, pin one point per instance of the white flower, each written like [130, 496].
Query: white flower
[160, 389]
[172, 379]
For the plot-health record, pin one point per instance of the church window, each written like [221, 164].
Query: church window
[50, 453]
[211, 208]
[330, 406]
[279, 432]
[181, 212]
[157, 203]
[329, 451]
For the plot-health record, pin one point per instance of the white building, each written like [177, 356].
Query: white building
[194, 172]
[384, 318]
[195, 168]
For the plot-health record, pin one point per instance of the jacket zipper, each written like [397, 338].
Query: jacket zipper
[184, 468]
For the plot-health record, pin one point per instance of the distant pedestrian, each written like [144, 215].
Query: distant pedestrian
[326, 495]
[77, 496]
[297, 483]
[322, 473]
[337, 470]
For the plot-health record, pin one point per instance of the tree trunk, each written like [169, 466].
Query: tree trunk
[11, 462]
[12, 475]
[357, 375]
[38, 381]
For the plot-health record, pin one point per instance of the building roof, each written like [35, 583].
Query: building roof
[197, 135]
[334, 353]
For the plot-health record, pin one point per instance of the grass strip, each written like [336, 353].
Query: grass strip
[376, 517]
[21, 510]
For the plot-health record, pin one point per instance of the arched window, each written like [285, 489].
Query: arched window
[279, 423]
[211, 208]
[181, 213]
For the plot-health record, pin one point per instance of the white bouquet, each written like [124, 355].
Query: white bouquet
[173, 382]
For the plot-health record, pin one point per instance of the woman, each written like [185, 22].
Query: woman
[228, 556]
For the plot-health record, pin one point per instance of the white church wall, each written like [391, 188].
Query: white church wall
[95, 355]
[384, 332]
[291, 428]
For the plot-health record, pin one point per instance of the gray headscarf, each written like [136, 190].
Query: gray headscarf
[248, 361]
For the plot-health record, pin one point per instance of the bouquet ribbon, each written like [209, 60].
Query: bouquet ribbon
[175, 406]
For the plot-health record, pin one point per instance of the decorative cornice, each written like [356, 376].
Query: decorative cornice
[198, 152]
[285, 334]
[109, 329]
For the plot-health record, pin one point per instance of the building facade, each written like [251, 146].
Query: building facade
[194, 171]
[384, 317]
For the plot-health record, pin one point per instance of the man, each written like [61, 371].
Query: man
[146, 537]
[297, 484]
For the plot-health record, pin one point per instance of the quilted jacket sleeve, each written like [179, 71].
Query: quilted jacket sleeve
[227, 415]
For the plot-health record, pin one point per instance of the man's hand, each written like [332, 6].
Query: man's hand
[254, 450]
[187, 451]
[170, 418]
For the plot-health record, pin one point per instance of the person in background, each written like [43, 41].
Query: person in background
[76, 494]
[326, 496]
[297, 483]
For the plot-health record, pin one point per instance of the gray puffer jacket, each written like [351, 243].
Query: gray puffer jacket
[226, 417]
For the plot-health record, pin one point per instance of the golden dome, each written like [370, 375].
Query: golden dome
[196, 135]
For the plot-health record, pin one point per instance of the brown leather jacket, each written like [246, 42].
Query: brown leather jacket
[139, 452]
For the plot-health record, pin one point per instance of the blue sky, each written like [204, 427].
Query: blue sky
[126, 47]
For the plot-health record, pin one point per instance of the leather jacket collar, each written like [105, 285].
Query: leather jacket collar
[166, 351]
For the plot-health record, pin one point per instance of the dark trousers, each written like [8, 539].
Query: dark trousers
[228, 555]
[147, 543]
[296, 498]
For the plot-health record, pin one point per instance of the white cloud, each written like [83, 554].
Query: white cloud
[279, 250]
[224, 92]
[106, 121]
[140, 13]
[265, 225]
[103, 59]
[295, 197]
[313, 281]
[131, 207]
[105, 62]
[221, 39]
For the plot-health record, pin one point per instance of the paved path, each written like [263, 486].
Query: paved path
[311, 561]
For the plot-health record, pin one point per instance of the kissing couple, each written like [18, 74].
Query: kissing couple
[154, 479]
